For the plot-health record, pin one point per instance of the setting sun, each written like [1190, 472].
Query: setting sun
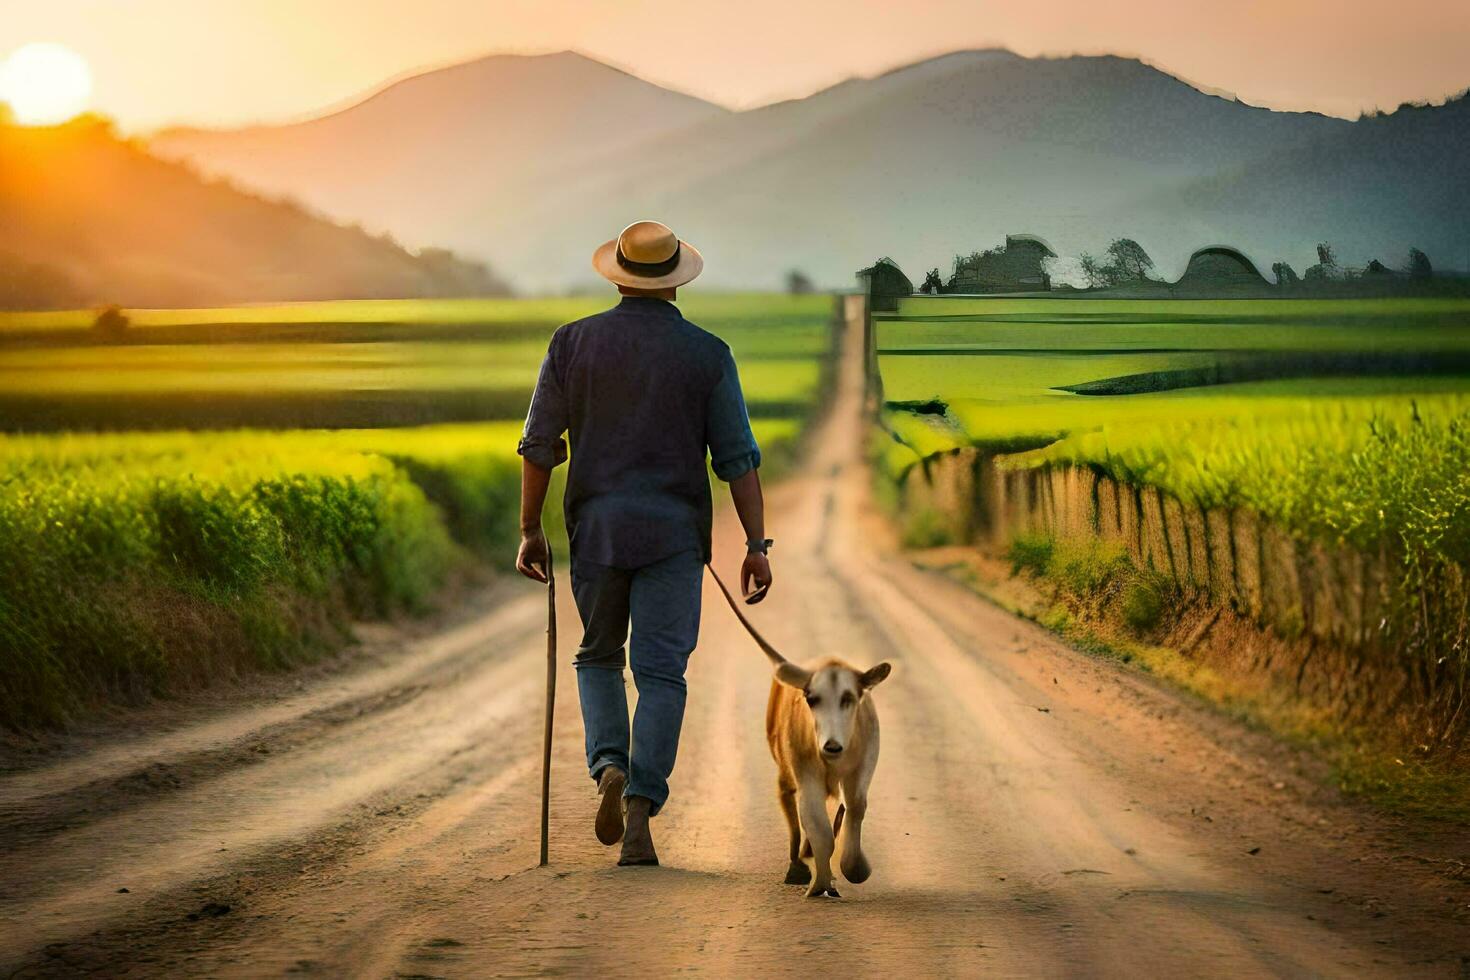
[45, 84]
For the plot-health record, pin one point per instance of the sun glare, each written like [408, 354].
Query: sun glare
[45, 84]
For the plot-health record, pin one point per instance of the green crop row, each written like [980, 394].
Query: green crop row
[1364, 448]
[357, 364]
[125, 575]
[1370, 472]
[136, 563]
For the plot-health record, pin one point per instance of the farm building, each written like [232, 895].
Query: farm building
[1217, 266]
[884, 283]
[1018, 266]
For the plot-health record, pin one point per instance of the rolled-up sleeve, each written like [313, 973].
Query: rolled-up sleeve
[541, 439]
[732, 448]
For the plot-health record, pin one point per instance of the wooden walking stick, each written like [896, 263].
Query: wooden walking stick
[550, 707]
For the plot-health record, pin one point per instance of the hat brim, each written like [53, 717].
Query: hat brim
[605, 261]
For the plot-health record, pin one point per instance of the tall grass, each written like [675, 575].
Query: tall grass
[1396, 482]
[1370, 473]
[1379, 464]
[125, 576]
[138, 563]
[142, 562]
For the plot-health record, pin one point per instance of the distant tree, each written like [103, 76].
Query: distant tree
[1093, 271]
[1129, 262]
[1126, 262]
[798, 283]
[448, 274]
[1285, 274]
[1419, 267]
[111, 323]
[1326, 267]
[932, 283]
[965, 265]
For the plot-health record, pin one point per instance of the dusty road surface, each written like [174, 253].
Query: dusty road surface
[1035, 812]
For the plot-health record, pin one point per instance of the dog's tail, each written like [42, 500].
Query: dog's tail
[771, 652]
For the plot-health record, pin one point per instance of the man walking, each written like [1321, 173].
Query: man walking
[644, 394]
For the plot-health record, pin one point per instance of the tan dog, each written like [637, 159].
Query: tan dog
[823, 731]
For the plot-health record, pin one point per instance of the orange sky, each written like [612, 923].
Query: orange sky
[229, 61]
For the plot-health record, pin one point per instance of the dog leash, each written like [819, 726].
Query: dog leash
[550, 708]
[771, 652]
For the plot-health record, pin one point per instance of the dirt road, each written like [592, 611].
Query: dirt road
[1035, 812]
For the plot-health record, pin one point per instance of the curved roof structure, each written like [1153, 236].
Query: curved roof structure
[1221, 263]
[1037, 239]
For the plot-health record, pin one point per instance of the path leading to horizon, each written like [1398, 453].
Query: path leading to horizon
[1035, 812]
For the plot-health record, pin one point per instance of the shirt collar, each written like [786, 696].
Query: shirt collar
[648, 304]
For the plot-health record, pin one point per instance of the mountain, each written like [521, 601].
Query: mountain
[1379, 186]
[436, 155]
[92, 219]
[529, 162]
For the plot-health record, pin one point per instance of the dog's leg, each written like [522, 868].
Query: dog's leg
[854, 863]
[797, 873]
[817, 826]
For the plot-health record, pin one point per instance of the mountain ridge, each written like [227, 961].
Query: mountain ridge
[92, 219]
[923, 161]
[361, 99]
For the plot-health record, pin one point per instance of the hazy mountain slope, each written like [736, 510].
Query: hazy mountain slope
[1373, 190]
[936, 158]
[120, 226]
[920, 163]
[447, 150]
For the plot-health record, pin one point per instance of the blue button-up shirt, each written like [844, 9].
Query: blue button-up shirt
[644, 395]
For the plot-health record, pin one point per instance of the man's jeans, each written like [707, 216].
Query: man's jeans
[662, 600]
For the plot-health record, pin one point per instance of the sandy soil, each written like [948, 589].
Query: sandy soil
[1035, 812]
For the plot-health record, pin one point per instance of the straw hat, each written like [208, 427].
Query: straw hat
[647, 255]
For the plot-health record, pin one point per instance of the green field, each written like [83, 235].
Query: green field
[139, 562]
[356, 364]
[947, 317]
[1237, 364]
[1343, 424]
[1291, 448]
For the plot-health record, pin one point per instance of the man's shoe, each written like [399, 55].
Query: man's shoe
[638, 841]
[609, 825]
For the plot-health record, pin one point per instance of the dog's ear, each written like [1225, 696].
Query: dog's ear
[793, 676]
[874, 676]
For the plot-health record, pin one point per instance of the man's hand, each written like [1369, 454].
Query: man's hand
[532, 559]
[757, 569]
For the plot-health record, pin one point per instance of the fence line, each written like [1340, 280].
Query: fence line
[1294, 586]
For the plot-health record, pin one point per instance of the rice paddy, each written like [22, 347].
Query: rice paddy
[355, 364]
[1328, 435]
[147, 550]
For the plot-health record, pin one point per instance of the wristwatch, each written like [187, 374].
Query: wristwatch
[763, 547]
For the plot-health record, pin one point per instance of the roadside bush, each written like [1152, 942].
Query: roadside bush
[926, 527]
[1087, 566]
[1031, 553]
[1090, 568]
[1084, 567]
[111, 323]
[1143, 601]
